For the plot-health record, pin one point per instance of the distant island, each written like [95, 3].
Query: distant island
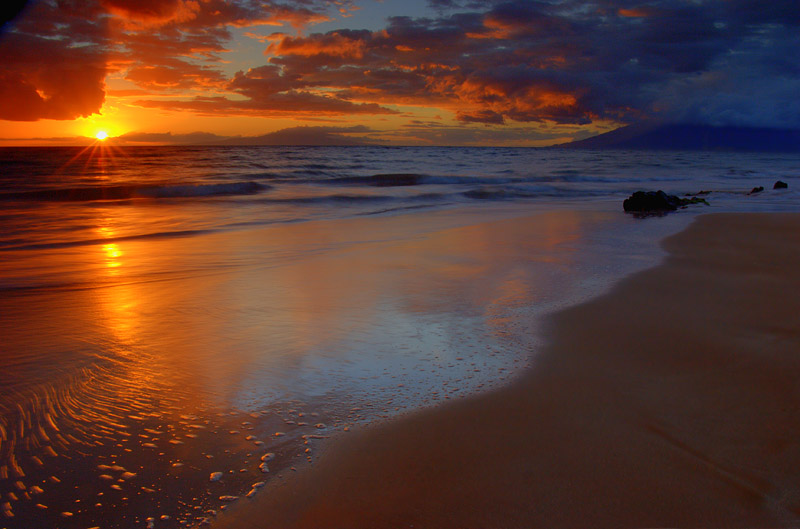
[691, 137]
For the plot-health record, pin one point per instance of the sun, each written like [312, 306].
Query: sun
[101, 135]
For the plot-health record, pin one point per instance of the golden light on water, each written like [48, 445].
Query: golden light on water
[113, 253]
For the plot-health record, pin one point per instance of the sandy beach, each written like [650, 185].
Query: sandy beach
[669, 402]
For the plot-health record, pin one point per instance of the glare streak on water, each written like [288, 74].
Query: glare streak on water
[166, 313]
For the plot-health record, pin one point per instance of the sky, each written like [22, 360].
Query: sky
[392, 72]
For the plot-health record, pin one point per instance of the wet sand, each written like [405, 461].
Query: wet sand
[672, 401]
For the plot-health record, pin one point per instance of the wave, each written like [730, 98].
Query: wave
[328, 199]
[394, 210]
[497, 193]
[478, 180]
[203, 190]
[510, 193]
[5, 246]
[123, 192]
[352, 199]
[380, 180]
[414, 179]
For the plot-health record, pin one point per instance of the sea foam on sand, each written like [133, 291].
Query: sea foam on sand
[671, 401]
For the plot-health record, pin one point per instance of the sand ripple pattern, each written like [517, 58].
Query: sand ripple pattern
[61, 443]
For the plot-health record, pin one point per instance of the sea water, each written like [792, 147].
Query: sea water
[169, 316]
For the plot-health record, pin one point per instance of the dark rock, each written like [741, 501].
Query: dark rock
[698, 194]
[694, 200]
[657, 202]
[647, 201]
[780, 185]
[755, 190]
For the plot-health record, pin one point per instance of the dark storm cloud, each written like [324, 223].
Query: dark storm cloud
[45, 75]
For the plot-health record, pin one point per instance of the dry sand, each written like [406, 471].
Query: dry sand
[673, 401]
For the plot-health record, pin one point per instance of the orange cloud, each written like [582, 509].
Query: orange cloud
[142, 14]
[161, 77]
[292, 103]
[41, 78]
[148, 14]
[635, 12]
[336, 44]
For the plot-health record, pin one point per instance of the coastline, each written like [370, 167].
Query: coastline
[670, 401]
[211, 360]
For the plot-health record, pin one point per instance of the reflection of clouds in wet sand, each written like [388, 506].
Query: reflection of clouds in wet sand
[176, 330]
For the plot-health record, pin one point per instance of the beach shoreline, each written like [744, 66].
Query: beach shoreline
[670, 401]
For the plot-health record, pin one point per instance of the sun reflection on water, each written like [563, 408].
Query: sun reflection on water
[113, 253]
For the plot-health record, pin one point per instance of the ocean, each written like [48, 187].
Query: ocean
[179, 326]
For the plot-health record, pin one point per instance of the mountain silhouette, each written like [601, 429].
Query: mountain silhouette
[690, 137]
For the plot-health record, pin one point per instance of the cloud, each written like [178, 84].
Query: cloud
[454, 62]
[153, 12]
[419, 132]
[57, 56]
[288, 136]
[568, 62]
[200, 14]
[43, 77]
[192, 138]
[285, 104]
[489, 63]
[481, 116]
[752, 85]
[10, 10]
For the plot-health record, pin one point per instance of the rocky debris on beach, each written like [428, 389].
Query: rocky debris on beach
[656, 202]
[755, 190]
[780, 185]
[255, 488]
